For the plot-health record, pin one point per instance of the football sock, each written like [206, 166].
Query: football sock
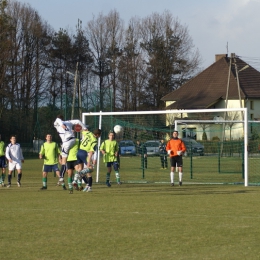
[70, 182]
[117, 176]
[19, 177]
[90, 181]
[165, 162]
[172, 177]
[44, 181]
[79, 183]
[9, 178]
[84, 178]
[63, 170]
[180, 176]
[108, 177]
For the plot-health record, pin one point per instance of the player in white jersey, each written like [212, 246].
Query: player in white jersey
[66, 133]
[14, 155]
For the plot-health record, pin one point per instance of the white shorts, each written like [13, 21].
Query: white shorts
[66, 147]
[15, 165]
[94, 156]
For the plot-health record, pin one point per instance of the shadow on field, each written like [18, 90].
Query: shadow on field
[185, 190]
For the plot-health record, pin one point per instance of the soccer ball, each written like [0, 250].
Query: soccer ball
[118, 129]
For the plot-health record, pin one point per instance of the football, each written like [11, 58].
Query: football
[118, 129]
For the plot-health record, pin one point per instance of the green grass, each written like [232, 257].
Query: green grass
[131, 221]
[202, 169]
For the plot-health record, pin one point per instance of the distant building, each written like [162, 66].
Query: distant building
[209, 90]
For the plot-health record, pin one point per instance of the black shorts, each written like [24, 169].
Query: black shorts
[176, 160]
[2, 162]
[71, 165]
[115, 164]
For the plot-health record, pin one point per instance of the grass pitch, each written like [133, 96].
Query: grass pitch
[131, 221]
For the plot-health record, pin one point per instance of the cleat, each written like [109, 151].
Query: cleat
[86, 189]
[3, 185]
[71, 191]
[119, 183]
[64, 187]
[180, 183]
[18, 184]
[8, 186]
[172, 184]
[80, 188]
[108, 184]
[60, 182]
[43, 188]
[89, 189]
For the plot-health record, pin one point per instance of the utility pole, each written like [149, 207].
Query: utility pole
[238, 85]
[226, 104]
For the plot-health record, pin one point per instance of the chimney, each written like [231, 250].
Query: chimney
[220, 56]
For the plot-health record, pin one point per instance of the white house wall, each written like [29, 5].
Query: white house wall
[217, 130]
[253, 107]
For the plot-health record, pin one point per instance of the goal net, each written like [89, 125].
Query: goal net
[216, 142]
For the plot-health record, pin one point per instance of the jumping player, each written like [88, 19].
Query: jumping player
[65, 130]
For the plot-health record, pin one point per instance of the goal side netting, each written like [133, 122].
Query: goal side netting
[218, 152]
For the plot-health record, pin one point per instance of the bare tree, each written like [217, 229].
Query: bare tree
[231, 117]
[132, 74]
[170, 55]
[98, 37]
[25, 73]
[204, 126]
[115, 27]
[5, 53]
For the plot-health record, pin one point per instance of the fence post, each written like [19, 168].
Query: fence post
[191, 168]
[219, 152]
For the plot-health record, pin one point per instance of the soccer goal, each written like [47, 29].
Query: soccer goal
[223, 134]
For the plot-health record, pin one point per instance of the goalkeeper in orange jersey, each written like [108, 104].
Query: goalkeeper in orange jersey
[176, 148]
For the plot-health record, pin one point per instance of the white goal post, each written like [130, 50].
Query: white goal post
[197, 111]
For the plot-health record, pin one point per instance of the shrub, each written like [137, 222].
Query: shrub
[215, 138]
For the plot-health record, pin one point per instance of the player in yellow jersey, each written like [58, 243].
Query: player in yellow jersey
[110, 149]
[72, 164]
[50, 152]
[88, 146]
[2, 162]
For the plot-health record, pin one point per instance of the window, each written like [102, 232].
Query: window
[189, 132]
[252, 105]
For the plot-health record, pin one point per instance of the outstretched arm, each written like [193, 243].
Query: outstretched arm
[78, 122]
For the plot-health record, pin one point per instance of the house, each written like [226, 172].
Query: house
[217, 87]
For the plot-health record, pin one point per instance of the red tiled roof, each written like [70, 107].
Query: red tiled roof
[210, 86]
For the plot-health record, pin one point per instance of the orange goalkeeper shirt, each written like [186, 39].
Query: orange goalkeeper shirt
[175, 145]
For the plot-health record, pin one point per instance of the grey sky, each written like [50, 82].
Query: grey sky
[211, 23]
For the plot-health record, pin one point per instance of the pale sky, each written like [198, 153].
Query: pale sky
[216, 26]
